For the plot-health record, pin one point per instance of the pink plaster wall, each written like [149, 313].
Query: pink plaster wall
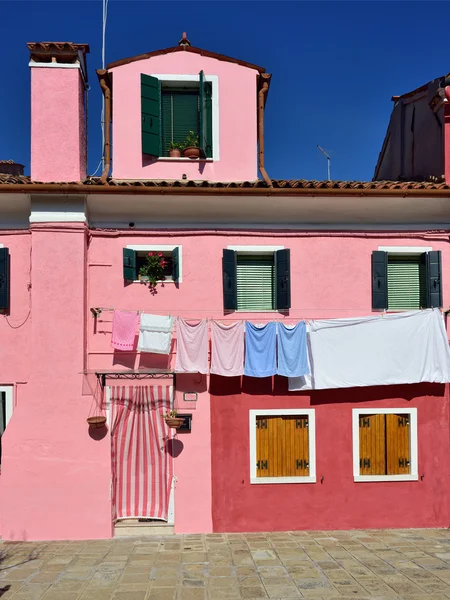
[58, 137]
[237, 121]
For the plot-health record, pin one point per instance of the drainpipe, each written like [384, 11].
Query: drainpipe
[261, 98]
[107, 93]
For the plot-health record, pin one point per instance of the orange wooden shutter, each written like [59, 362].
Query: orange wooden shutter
[262, 446]
[397, 434]
[282, 448]
[372, 445]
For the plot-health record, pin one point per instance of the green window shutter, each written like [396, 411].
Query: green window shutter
[151, 115]
[283, 271]
[406, 282]
[205, 116]
[255, 282]
[434, 279]
[176, 264]
[4, 278]
[129, 265]
[229, 280]
[379, 280]
[180, 115]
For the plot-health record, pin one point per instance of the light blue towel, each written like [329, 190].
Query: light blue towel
[292, 352]
[260, 350]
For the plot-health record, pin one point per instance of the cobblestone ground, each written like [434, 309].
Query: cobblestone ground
[379, 565]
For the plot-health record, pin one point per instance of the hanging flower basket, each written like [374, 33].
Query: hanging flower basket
[153, 269]
[174, 422]
[98, 421]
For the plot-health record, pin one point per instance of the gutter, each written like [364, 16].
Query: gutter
[139, 190]
[261, 103]
[105, 84]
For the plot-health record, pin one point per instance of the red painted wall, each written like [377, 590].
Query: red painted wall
[338, 502]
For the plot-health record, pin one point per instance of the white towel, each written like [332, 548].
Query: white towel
[155, 334]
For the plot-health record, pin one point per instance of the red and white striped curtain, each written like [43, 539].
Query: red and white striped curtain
[141, 465]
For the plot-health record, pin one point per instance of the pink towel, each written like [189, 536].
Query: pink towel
[227, 356]
[124, 329]
[192, 347]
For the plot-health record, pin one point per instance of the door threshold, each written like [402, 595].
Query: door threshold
[135, 528]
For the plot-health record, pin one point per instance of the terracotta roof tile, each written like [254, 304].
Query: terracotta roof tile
[57, 46]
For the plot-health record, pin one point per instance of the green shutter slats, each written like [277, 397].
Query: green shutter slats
[229, 280]
[180, 115]
[283, 279]
[205, 116]
[176, 263]
[129, 265]
[4, 279]
[434, 279]
[379, 280]
[255, 283]
[151, 115]
[406, 282]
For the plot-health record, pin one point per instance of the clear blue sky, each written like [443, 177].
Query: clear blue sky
[335, 66]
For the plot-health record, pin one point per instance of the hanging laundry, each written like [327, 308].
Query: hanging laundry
[227, 352]
[260, 350]
[292, 352]
[192, 347]
[407, 347]
[155, 334]
[124, 327]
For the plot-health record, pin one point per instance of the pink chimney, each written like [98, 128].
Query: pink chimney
[58, 111]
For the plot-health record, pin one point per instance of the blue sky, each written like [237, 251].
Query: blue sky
[335, 66]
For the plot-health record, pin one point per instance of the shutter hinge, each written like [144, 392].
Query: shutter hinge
[300, 423]
[364, 422]
[364, 462]
[403, 462]
[301, 464]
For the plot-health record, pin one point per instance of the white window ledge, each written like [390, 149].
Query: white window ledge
[368, 478]
[184, 159]
[306, 479]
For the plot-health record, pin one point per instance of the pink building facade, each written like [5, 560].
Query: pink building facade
[64, 238]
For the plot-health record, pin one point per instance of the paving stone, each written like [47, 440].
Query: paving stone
[129, 595]
[162, 594]
[256, 591]
[282, 591]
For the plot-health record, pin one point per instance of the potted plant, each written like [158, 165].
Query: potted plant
[98, 421]
[172, 420]
[191, 146]
[153, 269]
[175, 149]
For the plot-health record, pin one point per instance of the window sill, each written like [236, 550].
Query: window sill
[183, 159]
[308, 479]
[158, 283]
[373, 478]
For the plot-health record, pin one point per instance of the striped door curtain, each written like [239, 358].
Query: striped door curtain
[141, 465]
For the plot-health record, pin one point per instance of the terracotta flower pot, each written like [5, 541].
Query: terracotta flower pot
[174, 422]
[175, 153]
[98, 421]
[192, 152]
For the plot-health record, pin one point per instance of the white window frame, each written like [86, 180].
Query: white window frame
[413, 445]
[304, 412]
[9, 402]
[263, 251]
[161, 248]
[214, 80]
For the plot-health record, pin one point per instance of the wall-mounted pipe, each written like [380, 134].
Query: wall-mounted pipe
[261, 101]
[104, 84]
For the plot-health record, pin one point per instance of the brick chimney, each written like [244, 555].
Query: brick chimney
[58, 111]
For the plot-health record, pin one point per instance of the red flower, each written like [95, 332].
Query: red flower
[159, 254]
[163, 263]
[150, 253]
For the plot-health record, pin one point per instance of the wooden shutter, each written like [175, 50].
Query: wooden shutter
[282, 446]
[255, 282]
[4, 279]
[180, 115]
[129, 265]
[434, 279]
[397, 442]
[379, 280]
[372, 446]
[406, 282]
[151, 115]
[229, 280]
[176, 263]
[283, 284]
[205, 116]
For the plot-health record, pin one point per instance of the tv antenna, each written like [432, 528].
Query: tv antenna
[104, 18]
[328, 161]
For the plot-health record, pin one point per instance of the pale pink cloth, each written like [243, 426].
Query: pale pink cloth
[124, 327]
[192, 347]
[227, 349]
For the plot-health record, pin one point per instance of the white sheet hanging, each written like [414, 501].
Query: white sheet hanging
[407, 347]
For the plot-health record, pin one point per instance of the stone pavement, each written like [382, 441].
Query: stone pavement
[380, 565]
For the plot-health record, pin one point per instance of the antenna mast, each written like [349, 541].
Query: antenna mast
[328, 161]
[105, 16]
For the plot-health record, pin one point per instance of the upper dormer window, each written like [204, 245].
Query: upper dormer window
[173, 107]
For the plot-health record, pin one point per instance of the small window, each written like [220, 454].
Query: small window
[407, 283]
[385, 445]
[134, 258]
[282, 446]
[6, 406]
[256, 278]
